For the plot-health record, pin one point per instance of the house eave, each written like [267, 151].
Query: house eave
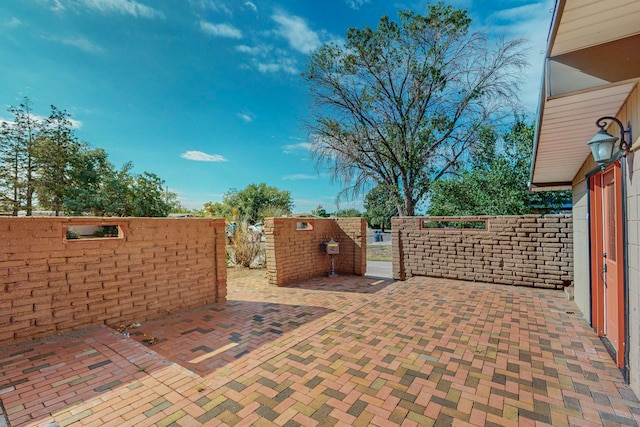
[590, 69]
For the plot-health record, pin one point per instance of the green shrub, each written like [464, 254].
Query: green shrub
[72, 234]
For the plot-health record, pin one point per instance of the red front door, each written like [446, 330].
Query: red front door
[607, 268]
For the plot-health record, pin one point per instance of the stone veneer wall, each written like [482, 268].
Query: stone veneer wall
[294, 254]
[529, 250]
[157, 266]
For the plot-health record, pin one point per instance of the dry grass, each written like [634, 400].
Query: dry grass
[379, 252]
[243, 275]
[245, 247]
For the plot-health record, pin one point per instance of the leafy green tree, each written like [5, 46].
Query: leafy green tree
[95, 186]
[122, 193]
[149, 197]
[320, 211]
[400, 104]
[252, 204]
[89, 169]
[45, 159]
[496, 181]
[274, 210]
[17, 158]
[11, 161]
[379, 207]
[116, 192]
[175, 205]
[217, 209]
[57, 149]
[348, 213]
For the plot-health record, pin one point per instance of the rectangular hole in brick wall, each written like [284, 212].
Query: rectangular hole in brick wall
[304, 225]
[473, 224]
[74, 233]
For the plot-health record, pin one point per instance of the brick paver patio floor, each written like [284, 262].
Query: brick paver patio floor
[340, 351]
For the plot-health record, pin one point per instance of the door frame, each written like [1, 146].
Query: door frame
[596, 261]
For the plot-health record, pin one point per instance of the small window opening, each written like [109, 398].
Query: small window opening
[304, 225]
[84, 232]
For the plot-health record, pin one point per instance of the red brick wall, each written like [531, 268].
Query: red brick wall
[159, 266]
[529, 250]
[294, 255]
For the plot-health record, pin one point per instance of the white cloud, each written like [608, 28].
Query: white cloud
[220, 30]
[269, 60]
[81, 43]
[251, 6]
[518, 14]
[199, 156]
[298, 177]
[124, 7]
[356, 4]
[57, 6]
[7, 122]
[216, 6]
[75, 124]
[253, 50]
[245, 117]
[292, 148]
[276, 61]
[54, 5]
[13, 22]
[285, 65]
[297, 32]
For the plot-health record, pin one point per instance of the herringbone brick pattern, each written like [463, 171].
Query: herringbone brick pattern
[341, 351]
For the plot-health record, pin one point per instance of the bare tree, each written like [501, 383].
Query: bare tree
[400, 104]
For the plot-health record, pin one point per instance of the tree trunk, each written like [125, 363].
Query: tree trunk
[29, 195]
[409, 203]
[29, 201]
[15, 203]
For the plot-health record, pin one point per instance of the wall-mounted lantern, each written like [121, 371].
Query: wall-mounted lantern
[603, 144]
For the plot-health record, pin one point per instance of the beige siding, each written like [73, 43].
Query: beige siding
[633, 231]
[581, 248]
[631, 113]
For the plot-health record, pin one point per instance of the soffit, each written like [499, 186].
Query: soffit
[591, 67]
[568, 123]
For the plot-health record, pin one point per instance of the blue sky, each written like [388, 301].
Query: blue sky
[207, 94]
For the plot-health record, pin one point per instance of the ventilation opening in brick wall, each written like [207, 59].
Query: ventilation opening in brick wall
[74, 233]
[304, 225]
[474, 224]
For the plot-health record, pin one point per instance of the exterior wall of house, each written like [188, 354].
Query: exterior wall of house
[582, 274]
[629, 113]
[581, 248]
[295, 250]
[633, 254]
[49, 284]
[529, 250]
